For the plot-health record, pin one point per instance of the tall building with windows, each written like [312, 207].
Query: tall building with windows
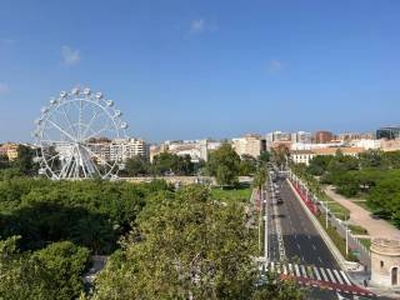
[277, 137]
[251, 144]
[389, 133]
[301, 137]
[323, 137]
[127, 148]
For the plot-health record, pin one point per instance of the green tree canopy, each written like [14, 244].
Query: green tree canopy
[24, 161]
[165, 163]
[248, 165]
[51, 273]
[224, 165]
[189, 246]
[319, 164]
[137, 166]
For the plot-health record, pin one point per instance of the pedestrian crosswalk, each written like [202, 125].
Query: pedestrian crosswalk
[311, 272]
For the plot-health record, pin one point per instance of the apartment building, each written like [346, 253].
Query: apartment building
[305, 156]
[10, 150]
[251, 144]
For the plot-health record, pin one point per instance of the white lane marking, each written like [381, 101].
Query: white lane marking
[298, 246]
[285, 270]
[324, 274]
[291, 269]
[331, 275]
[338, 277]
[315, 248]
[309, 237]
[310, 272]
[303, 271]
[297, 271]
[272, 266]
[317, 273]
[346, 279]
[320, 260]
[278, 268]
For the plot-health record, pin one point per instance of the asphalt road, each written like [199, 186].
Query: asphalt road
[303, 244]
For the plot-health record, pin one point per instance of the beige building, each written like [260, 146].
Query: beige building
[10, 150]
[104, 150]
[248, 145]
[197, 149]
[127, 148]
[304, 156]
[385, 263]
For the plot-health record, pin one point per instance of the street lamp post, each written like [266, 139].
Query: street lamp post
[259, 221]
[347, 239]
[326, 214]
[347, 230]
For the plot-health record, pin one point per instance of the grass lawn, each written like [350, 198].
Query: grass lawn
[337, 239]
[240, 194]
[359, 230]
[340, 211]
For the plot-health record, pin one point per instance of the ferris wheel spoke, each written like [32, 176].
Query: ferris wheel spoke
[61, 130]
[90, 125]
[53, 142]
[96, 133]
[98, 157]
[53, 157]
[71, 169]
[87, 164]
[68, 120]
[65, 168]
[94, 166]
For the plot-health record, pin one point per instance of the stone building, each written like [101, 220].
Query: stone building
[385, 263]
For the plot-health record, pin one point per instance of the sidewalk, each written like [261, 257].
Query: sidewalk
[360, 216]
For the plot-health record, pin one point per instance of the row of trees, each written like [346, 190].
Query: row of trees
[93, 214]
[374, 175]
[23, 165]
[226, 165]
[163, 164]
[223, 163]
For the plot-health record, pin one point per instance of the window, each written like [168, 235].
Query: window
[382, 264]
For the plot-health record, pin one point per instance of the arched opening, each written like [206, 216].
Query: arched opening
[394, 274]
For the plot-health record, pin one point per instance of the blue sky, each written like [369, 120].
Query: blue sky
[183, 69]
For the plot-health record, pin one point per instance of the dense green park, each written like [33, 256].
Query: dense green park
[373, 175]
[162, 243]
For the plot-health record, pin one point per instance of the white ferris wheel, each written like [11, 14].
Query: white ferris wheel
[75, 134]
